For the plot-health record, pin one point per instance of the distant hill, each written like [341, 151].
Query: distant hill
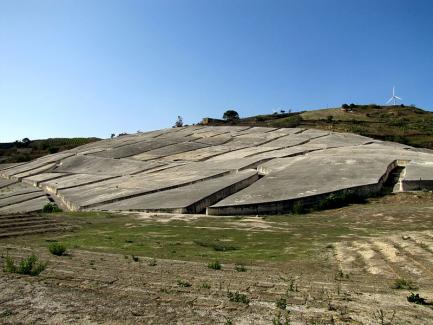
[26, 150]
[405, 124]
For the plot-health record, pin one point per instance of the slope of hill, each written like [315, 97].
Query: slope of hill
[404, 124]
[26, 150]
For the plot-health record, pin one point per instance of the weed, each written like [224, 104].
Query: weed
[182, 283]
[240, 268]
[51, 208]
[380, 317]
[216, 265]
[27, 266]
[216, 246]
[298, 208]
[403, 283]
[135, 258]
[5, 313]
[57, 249]
[205, 285]
[340, 275]
[238, 297]
[152, 262]
[279, 320]
[281, 303]
[228, 321]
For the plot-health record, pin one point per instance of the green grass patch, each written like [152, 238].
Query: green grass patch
[27, 266]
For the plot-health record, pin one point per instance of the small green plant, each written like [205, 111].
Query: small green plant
[238, 297]
[298, 208]
[152, 262]
[281, 303]
[240, 268]
[182, 283]
[205, 285]
[228, 321]
[5, 313]
[215, 265]
[403, 283]
[216, 245]
[135, 258]
[27, 266]
[279, 320]
[51, 208]
[57, 249]
[381, 317]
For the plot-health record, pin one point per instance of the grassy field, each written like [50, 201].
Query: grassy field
[338, 266]
[238, 239]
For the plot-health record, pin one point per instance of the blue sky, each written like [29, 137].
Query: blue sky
[96, 67]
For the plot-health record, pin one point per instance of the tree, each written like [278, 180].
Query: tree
[179, 122]
[25, 141]
[231, 115]
[112, 135]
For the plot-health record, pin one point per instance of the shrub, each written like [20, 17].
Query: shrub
[238, 297]
[152, 262]
[182, 283]
[57, 249]
[240, 268]
[402, 283]
[27, 266]
[135, 258]
[216, 265]
[298, 208]
[51, 208]
[281, 303]
[216, 246]
[205, 285]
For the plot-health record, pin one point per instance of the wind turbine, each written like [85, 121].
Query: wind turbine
[394, 97]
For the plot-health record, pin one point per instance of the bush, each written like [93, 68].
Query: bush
[240, 268]
[182, 283]
[217, 245]
[51, 208]
[298, 208]
[281, 303]
[238, 297]
[402, 283]
[216, 265]
[57, 249]
[27, 266]
[135, 258]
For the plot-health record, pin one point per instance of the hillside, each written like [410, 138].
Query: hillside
[404, 124]
[26, 150]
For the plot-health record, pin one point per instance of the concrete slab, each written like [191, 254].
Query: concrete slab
[6, 182]
[170, 150]
[192, 198]
[33, 205]
[144, 170]
[20, 198]
[303, 177]
[39, 178]
[103, 166]
[74, 180]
